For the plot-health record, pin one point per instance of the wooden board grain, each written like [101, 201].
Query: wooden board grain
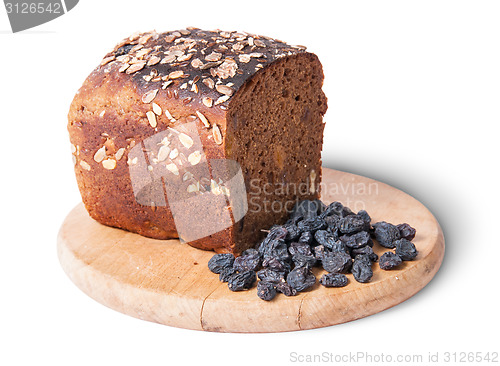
[167, 282]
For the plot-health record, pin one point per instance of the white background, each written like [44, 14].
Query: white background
[414, 91]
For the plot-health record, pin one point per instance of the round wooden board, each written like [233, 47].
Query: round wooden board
[167, 282]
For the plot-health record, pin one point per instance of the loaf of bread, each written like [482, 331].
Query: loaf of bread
[210, 136]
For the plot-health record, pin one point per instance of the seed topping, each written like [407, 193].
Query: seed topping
[156, 109]
[194, 158]
[217, 134]
[186, 140]
[151, 118]
[203, 119]
[109, 164]
[149, 96]
[100, 154]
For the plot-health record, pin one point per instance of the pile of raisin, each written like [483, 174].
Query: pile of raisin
[331, 237]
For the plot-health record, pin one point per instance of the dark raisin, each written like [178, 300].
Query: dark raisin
[389, 260]
[386, 234]
[357, 240]
[220, 261]
[350, 225]
[337, 262]
[333, 280]
[276, 249]
[335, 233]
[286, 289]
[367, 250]
[363, 215]
[299, 248]
[266, 290]
[319, 252]
[250, 262]
[301, 260]
[332, 221]
[406, 249]
[324, 238]
[306, 237]
[363, 258]
[339, 247]
[334, 208]
[307, 209]
[276, 265]
[292, 221]
[406, 231]
[268, 275]
[241, 281]
[293, 232]
[276, 233]
[301, 278]
[314, 224]
[362, 269]
[250, 251]
[226, 274]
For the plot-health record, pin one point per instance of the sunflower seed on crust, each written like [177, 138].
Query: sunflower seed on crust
[168, 59]
[151, 118]
[124, 68]
[166, 84]
[259, 43]
[153, 60]
[244, 58]
[169, 116]
[194, 158]
[163, 153]
[173, 154]
[85, 165]
[186, 140]
[170, 38]
[192, 188]
[119, 153]
[185, 57]
[224, 89]
[217, 134]
[203, 119]
[222, 99]
[109, 164]
[213, 57]
[172, 168]
[209, 83]
[208, 102]
[176, 74]
[149, 96]
[196, 63]
[107, 60]
[100, 154]
[156, 109]
[136, 67]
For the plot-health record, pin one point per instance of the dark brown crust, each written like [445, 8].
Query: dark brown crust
[110, 110]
